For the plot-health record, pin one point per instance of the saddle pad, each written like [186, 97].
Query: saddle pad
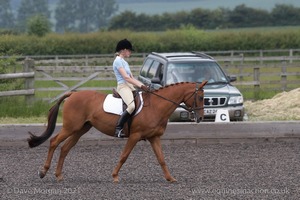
[115, 105]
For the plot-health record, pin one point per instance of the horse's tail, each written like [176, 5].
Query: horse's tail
[34, 140]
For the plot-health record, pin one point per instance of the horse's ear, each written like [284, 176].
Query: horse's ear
[203, 83]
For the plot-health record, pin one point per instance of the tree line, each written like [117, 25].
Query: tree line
[221, 18]
[35, 17]
[67, 16]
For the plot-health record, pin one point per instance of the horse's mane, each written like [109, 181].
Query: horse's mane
[170, 85]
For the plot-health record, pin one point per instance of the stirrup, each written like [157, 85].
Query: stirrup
[120, 134]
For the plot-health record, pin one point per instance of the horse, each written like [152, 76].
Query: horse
[84, 109]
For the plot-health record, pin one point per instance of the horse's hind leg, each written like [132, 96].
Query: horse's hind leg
[70, 142]
[156, 146]
[54, 142]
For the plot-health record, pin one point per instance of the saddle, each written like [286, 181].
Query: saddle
[137, 100]
[114, 104]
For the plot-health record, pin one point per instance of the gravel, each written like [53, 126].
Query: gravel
[260, 170]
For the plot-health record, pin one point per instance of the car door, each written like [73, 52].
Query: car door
[143, 76]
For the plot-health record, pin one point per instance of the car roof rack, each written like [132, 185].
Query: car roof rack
[197, 53]
[157, 54]
[203, 55]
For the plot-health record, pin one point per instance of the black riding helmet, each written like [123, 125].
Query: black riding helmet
[124, 44]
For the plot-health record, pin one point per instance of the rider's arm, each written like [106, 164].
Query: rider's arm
[129, 79]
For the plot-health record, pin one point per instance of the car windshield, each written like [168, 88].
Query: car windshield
[195, 72]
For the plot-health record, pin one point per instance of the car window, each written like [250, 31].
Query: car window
[211, 72]
[194, 72]
[146, 66]
[153, 69]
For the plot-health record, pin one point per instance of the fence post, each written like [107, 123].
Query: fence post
[56, 61]
[256, 80]
[86, 60]
[261, 55]
[231, 56]
[242, 58]
[241, 77]
[291, 55]
[283, 76]
[29, 82]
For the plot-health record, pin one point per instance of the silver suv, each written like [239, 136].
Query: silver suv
[160, 69]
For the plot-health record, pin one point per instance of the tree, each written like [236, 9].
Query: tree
[82, 15]
[243, 16]
[201, 18]
[126, 20]
[6, 15]
[240, 16]
[65, 15]
[283, 15]
[38, 25]
[30, 8]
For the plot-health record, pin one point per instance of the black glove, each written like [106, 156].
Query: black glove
[145, 88]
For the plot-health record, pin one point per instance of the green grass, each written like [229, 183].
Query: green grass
[17, 107]
[52, 94]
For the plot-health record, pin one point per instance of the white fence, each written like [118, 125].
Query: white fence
[252, 68]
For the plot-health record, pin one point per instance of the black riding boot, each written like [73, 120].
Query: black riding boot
[122, 120]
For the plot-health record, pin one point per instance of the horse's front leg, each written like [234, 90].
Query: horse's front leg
[156, 145]
[131, 142]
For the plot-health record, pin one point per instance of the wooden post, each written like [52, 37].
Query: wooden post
[240, 67]
[29, 82]
[242, 58]
[231, 56]
[283, 76]
[261, 55]
[256, 80]
[56, 61]
[291, 55]
[86, 61]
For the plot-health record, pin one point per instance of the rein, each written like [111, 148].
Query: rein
[189, 109]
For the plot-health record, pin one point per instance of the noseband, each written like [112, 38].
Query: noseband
[195, 106]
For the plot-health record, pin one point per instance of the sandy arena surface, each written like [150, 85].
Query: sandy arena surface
[259, 169]
[255, 170]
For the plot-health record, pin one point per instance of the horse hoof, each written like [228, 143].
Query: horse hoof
[116, 180]
[41, 174]
[172, 180]
[59, 178]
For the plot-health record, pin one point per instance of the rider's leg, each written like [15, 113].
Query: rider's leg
[126, 93]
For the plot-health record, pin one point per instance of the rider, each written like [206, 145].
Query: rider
[126, 83]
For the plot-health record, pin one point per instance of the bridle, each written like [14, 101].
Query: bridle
[195, 106]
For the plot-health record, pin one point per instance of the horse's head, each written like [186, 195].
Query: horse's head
[194, 100]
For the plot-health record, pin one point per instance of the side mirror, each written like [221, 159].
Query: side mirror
[232, 78]
[155, 80]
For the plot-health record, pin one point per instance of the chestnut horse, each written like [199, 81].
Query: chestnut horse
[84, 109]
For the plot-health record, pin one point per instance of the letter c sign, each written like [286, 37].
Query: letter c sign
[222, 116]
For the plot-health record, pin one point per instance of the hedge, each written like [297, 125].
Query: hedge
[176, 40]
